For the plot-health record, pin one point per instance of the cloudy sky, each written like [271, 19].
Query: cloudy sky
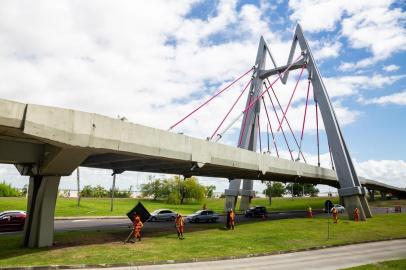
[154, 61]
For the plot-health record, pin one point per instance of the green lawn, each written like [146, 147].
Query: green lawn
[387, 265]
[206, 241]
[66, 207]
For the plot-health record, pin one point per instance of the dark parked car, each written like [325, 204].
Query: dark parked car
[163, 215]
[257, 211]
[203, 216]
[12, 220]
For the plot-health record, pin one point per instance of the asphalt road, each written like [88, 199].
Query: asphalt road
[323, 259]
[123, 223]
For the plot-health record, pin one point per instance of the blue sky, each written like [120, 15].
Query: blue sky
[154, 62]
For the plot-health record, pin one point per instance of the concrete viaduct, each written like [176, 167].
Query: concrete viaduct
[46, 143]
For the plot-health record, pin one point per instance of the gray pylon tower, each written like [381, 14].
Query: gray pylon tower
[351, 191]
[248, 134]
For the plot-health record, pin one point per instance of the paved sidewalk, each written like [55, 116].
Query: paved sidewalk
[323, 259]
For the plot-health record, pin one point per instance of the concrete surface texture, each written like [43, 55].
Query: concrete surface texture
[323, 259]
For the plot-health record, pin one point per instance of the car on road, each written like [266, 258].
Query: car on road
[203, 216]
[13, 220]
[339, 208]
[163, 215]
[257, 211]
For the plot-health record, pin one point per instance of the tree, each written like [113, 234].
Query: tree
[98, 191]
[274, 189]
[175, 190]
[209, 190]
[154, 188]
[188, 189]
[309, 189]
[6, 190]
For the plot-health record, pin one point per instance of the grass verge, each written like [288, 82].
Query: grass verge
[387, 265]
[206, 241]
[66, 207]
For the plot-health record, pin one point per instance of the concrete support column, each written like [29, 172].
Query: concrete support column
[39, 224]
[247, 193]
[232, 194]
[342, 202]
[371, 195]
[352, 202]
[355, 197]
[365, 206]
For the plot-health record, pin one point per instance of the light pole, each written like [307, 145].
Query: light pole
[112, 192]
[78, 184]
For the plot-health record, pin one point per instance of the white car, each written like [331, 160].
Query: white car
[339, 208]
[163, 215]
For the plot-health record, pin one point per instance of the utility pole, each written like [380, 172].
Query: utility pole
[292, 189]
[112, 192]
[78, 184]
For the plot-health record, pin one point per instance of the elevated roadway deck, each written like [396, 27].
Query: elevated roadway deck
[54, 141]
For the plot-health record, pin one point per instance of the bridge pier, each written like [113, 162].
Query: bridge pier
[231, 194]
[371, 193]
[247, 193]
[39, 225]
[355, 197]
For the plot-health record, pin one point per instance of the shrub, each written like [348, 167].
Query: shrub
[6, 190]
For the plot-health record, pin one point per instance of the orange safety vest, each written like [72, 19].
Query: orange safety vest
[139, 225]
[356, 214]
[232, 216]
[179, 221]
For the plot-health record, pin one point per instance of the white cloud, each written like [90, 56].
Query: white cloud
[392, 172]
[396, 98]
[352, 85]
[371, 25]
[325, 49]
[391, 68]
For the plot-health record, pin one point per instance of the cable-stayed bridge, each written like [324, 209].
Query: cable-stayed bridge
[46, 143]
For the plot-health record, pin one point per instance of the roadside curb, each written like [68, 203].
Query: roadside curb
[82, 266]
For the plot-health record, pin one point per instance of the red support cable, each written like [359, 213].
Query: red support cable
[305, 112]
[270, 126]
[267, 137]
[232, 107]
[267, 89]
[290, 127]
[258, 97]
[210, 99]
[304, 119]
[259, 134]
[317, 128]
[291, 97]
[283, 132]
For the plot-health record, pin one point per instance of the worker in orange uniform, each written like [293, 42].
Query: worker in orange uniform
[309, 212]
[137, 228]
[232, 219]
[136, 232]
[334, 211]
[356, 214]
[180, 225]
